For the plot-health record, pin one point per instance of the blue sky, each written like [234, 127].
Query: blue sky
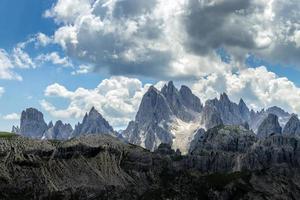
[90, 52]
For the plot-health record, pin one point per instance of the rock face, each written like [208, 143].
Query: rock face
[211, 117]
[34, 126]
[269, 126]
[224, 138]
[230, 113]
[93, 123]
[32, 123]
[159, 112]
[59, 131]
[292, 127]
[15, 129]
[102, 167]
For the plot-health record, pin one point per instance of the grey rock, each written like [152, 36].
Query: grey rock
[32, 123]
[229, 112]
[157, 111]
[211, 117]
[269, 126]
[93, 123]
[59, 131]
[189, 100]
[103, 167]
[244, 110]
[15, 129]
[292, 127]
[224, 138]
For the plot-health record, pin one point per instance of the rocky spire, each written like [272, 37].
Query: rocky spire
[244, 110]
[32, 123]
[93, 123]
[270, 125]
[189, 100]
[228, 111]
[293, 126]
[153, 107]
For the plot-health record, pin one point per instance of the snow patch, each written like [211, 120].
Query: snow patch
[183, 133]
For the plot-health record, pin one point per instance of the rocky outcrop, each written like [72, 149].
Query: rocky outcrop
[292, 127]
[269, 126]
[32, 123]
[15, 129]
[224, 110]
[224, 138]
[93, 123]
[59, 131]
[210, 117]
[189, 100]
[256, 118]
[102, 167]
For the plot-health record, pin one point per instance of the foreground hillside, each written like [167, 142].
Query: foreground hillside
[226, 162]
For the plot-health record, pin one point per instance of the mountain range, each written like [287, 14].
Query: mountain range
[176, 148]
[168, 116]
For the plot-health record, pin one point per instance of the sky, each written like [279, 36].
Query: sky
[65, 56]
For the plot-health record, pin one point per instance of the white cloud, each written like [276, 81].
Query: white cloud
[83, 69]
[117, 99]
[22, 59]
[55, 59]
[163, 38]
[42, 40]
[12, 116]
[6, 67]
[257, 86]
[2, 90]
[141, 37]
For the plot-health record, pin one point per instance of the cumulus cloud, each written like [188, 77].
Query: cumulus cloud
[55, 59]
[6, 66]
[257, 86]
[42, 40]
[83, 69]
[117, 99]
[12, 116]
[141, 37]
[176, 39]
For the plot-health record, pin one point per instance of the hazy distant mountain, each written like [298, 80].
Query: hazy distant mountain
[32, 123]
[93, 123]
[168, 116]
[292, 127]
[59, 131]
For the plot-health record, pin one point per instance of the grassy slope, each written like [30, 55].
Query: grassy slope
[6, 135]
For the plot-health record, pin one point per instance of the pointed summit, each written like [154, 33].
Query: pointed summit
[190, 100]
[293, 126]
[93, 123]
[269, 126]
[244, 110]
[169, 90]
[224, 97]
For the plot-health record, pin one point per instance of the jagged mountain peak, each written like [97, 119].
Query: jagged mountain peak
[93, 123]
[50, 124]
[169, 90]
[242, 102]
[292, 127]
[224, 97]
[270, 125]
[94, 113]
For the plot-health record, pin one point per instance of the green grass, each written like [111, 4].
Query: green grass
[7, 135]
